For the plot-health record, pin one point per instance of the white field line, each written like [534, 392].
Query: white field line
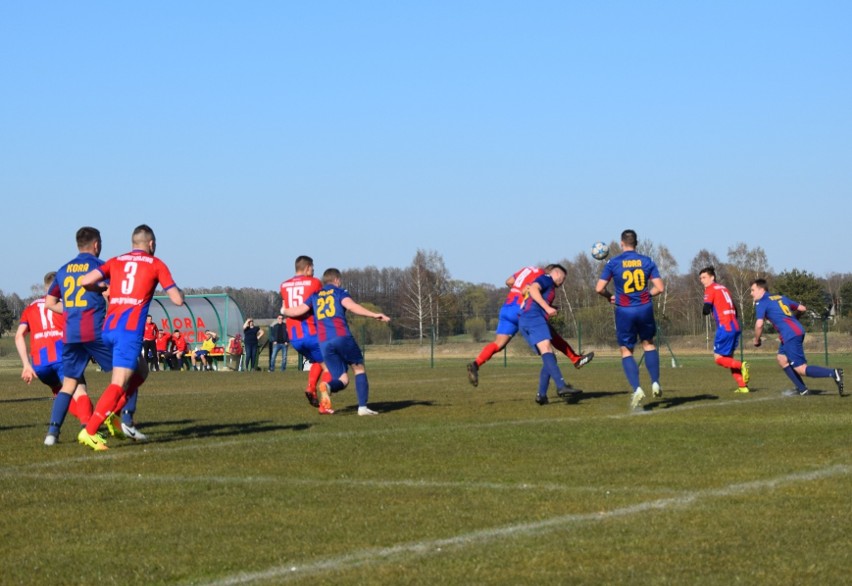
[412, 550]
[203, 444]
[128, 478]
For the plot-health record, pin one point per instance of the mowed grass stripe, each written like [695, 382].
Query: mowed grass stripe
[128, 449]
[412, 550]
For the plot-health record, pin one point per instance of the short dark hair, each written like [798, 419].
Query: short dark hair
[330, 275]
[709, 270]
[86, 236]
[303, 261]
[630, 238]
[556, 266]
[761, 283]
[143, 232]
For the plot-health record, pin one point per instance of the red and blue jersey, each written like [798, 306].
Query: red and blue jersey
[780, 312]
[84, 310]
[45, 329]
[327, 306]
[723, 307]
[296, 291]
[522, 279]
[631, 273]
[133, 279]
[529, 308]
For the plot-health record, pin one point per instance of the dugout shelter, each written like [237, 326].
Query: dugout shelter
[212, 311]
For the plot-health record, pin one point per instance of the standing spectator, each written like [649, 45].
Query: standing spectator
[164, 348]
[133, 277]
[636, 281]
[507, 326]
[717, 300]
[781, 312]
[44, 360]
[180, 346]
[302, 330]
[279, 343]
[339, 348]
[149, 343]
[84, 320]
[252, 335]
[536, 310]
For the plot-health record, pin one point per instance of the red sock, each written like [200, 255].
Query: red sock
[314, 376]
[738, 377]
[106, 405]
[486, 354]
[83, 407]
[72, 408]
[560, 344]
[132, 388]
[728, 362]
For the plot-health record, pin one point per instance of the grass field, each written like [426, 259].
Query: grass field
[243, 483]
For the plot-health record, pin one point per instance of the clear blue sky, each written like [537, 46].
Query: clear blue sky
[498, 133]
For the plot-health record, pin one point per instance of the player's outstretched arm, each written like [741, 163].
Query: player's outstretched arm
[295, 311]
[357, 309]
[93, 281]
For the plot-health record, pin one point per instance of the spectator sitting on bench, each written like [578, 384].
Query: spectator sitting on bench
[202, 353]
[179, 344]
[164, 348]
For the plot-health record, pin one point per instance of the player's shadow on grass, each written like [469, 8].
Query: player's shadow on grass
[589, 395]
[387, 406]
[190, 430]
[26, 400]
[669, 402]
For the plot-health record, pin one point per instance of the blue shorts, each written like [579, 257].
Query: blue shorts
[794, 350]
[340, 353]
[726, 342]
[50, 374]
[200, 353]
[534, 331]
[308, 347]
[508, 322]
[634, 322]
[76, 355]
[126, 347]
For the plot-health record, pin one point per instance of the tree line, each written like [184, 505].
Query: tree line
[425, 301]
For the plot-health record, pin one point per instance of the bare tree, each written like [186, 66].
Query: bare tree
[426, 283]
[745, 265]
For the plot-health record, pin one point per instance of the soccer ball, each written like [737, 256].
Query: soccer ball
[600, 250]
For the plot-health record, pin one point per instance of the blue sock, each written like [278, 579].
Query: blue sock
[794, 376]
[58, 412]
[552, 369]
[336, 385]
[129, 409]
[631, 371]
[543, 382]
[652, 363]
[362, 389]
[818, 372]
